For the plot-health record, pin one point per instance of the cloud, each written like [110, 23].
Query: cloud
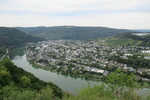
[122, 20]
[51, 6]
[111, 13]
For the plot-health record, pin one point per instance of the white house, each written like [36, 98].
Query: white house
[146, 51]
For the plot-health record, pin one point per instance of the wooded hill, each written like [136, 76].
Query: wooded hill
[72, 32]
[10, 37]
[13, 37]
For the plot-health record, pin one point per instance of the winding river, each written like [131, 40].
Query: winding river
[65, 83]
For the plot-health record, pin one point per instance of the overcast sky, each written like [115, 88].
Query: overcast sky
[129, 14]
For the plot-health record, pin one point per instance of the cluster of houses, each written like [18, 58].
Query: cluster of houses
[87, 55]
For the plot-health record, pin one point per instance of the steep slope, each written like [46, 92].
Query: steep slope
[14, 37]
[17, 84]
[72, 32]
[10, 38]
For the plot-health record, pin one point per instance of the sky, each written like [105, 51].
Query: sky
[125, 14]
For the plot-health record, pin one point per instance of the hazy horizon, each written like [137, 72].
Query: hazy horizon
[73, 26]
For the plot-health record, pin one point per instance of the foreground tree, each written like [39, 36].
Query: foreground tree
[122, 80]
[123, 85]
[25, 81]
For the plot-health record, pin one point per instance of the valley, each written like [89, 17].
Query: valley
[74, 63]
[74, 50]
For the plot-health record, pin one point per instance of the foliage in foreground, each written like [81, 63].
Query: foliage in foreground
[15, 82]
[104, 93]
[120, 87]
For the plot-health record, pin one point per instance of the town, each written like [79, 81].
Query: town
[87, 59]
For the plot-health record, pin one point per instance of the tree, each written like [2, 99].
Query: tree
[123, 85]
[121, 79]
[45, 94]
[25, 81]
[4, 76]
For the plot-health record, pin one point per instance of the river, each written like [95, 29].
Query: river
[68, 83]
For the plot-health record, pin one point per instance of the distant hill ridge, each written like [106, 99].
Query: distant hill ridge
[142, 30]
[72, 32]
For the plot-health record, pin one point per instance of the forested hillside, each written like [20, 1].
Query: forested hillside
[32, 30]
[10, 37]
[14, 37]
[17, 84]
[72, 32]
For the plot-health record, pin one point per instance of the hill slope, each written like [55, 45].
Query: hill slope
[32, 30]
[17, 84]
[129, 39]
[72, 32]
[10, 37]
[13, 37]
